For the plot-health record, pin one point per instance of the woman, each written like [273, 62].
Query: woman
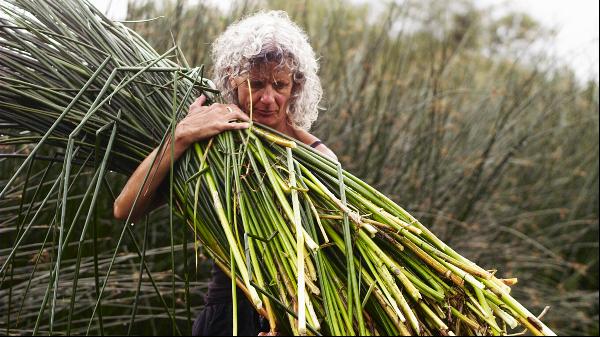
[265, 61]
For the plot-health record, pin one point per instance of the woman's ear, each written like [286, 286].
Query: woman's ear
[233, 89]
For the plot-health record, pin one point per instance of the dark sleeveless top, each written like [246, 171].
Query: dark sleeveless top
[316, 143]
[219, 287]
[216, 317]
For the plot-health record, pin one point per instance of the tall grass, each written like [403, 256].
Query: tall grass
[484, 141]
[50, 282]
[453, 113]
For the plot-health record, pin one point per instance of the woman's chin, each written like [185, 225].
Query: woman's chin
[270, 121]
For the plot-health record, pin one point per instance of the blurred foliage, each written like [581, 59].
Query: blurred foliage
[461, 117]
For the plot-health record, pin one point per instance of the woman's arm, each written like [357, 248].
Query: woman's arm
[124, 201]
[323, 149]
[201, 122]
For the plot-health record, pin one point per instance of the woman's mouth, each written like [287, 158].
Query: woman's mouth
[266, 112]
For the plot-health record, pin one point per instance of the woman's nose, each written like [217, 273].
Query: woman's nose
[267, 95]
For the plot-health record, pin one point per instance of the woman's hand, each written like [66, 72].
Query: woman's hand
[200, 123]
[204, 122]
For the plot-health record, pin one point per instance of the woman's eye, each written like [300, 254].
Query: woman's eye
[257, 84]
[280, 85]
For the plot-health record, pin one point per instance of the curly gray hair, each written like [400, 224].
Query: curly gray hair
[270, 37]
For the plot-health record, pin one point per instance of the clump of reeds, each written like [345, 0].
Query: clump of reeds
[315, 249]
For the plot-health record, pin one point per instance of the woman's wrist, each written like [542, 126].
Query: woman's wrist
[182, 141]
[180, 144]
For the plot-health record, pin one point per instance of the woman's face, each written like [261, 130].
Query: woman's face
[271, 87]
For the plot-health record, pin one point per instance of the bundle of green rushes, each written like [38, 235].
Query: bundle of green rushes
[315, 249]
[318, 238]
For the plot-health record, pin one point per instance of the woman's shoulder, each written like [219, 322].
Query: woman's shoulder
[314, 142]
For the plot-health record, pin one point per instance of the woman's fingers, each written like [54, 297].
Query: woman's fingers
[237, 114]
[197, 106]
[218, 112]
[228, 111]
[237, 125]
[206, 121]
[200, 100]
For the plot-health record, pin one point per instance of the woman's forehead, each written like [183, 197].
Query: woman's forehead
[269, 70]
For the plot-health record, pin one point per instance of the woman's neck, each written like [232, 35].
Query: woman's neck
[298, 134]
[289, 130]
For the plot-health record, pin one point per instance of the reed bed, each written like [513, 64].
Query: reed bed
[314, 248]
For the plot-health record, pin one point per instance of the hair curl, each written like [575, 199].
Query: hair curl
[270, 37]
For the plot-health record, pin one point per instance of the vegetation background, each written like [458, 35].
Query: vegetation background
[459, 116]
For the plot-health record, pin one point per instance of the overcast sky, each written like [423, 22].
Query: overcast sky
[576, 22]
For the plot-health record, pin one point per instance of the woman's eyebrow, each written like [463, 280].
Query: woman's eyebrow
[281, 77]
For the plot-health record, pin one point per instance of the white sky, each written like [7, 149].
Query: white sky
[576, 22]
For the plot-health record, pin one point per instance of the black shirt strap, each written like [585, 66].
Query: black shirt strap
[316, 143]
